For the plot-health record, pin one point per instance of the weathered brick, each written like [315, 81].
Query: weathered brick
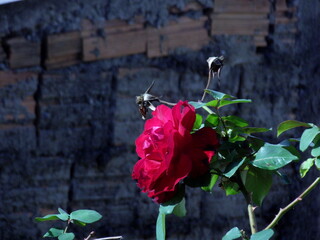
[112, 39]
[53, 116]
[23, 53]
[19, 138]
[84, 86]
[241, 6]
[184, 33]
[63, 50]
[237, 24]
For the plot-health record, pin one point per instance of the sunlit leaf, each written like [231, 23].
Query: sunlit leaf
[305, 166]
[85, 216]
[66, 236]
[232, 234]
[233, 167]
[315, 152]
[231, 188]
[177, 208]
[218, 95]
[61, 211]
[214, 178]
[197, 105]
[212, 120]
[289, 124]
[307, 137]
[317, 163]
[263, 235]
[272, 157]
[222, 103]
[54, 232]
[197, 122]
[52, 217]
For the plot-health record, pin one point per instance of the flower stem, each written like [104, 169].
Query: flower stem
[252, 219]
[248, 197]
[208, 84]
[283, 211]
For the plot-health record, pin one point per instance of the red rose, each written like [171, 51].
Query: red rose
[169, 153]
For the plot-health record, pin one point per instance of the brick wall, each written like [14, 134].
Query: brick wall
[69, 74]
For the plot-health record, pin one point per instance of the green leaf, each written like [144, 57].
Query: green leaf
[161, 226]
[317, 163]
[61, 211]
[180, 209]
[168, 208]
[54, 232]
[228, 102]
[234, 233]
[222, 103]
[198, 122]
[263, 235]
[272, 157]
[197, 105]
[250, 130]
[231, 188]
[79, 223]
[66, 236]
[172, 206]
[258, 182]
[236, 121]
[305, 166]
[85, 216]
[315, 152]
[218, 95]
[307, 137]
[212, 120]
[289, 124]
[52, 217]
[233, 167]
[214, 178]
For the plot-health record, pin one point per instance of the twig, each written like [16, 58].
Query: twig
[109, 238]
[89, 236]
[283, 211]
[168, 103]
[248, 197]
[208, 83]
[252, 219]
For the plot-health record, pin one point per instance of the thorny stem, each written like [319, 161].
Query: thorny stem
[248, 197]
[168, 103]
[89, 236]
[66, 228]
[109, 238]
[208, 83]
[283, 211]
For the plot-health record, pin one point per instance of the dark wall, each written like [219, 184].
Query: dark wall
[68, 121]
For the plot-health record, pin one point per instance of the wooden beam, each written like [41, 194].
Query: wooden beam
[115, 39]
[185, 33]
[23, 53]
[241, 26]
[244, 6]
[63, 50]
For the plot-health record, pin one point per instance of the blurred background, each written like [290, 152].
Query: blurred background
[69, 74]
